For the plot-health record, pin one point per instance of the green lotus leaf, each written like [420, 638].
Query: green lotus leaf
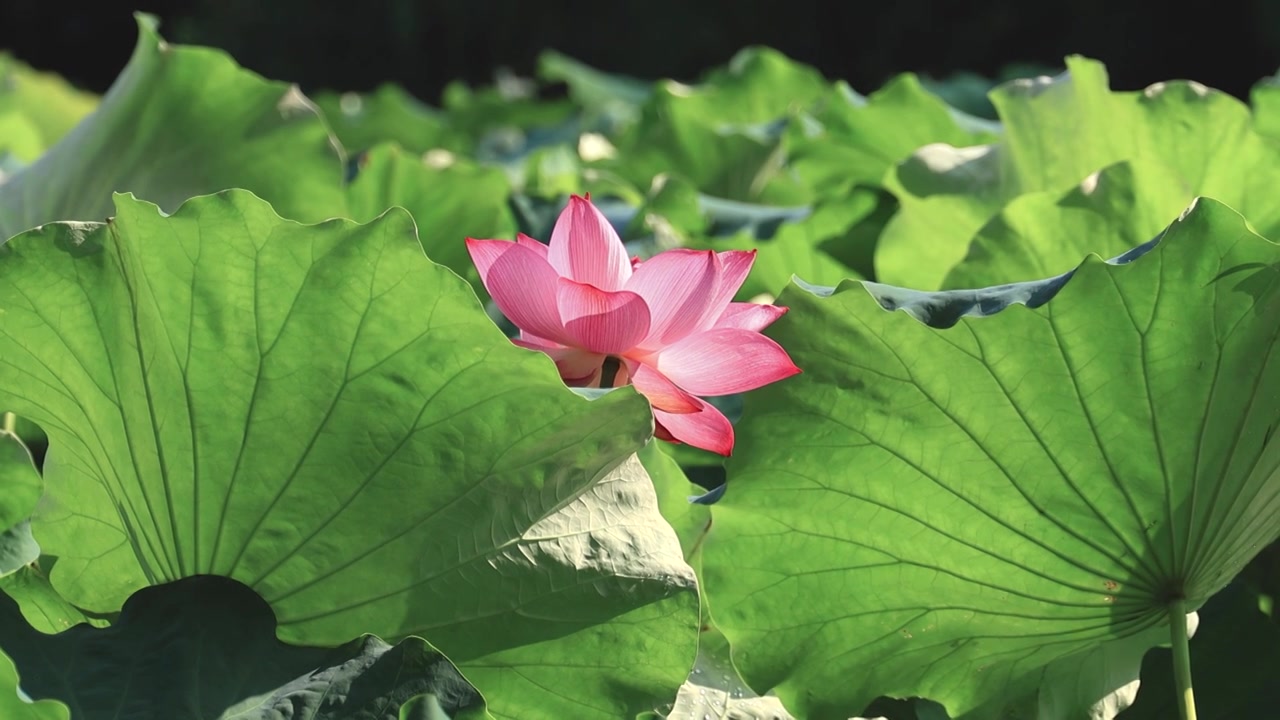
[1231, 662]
[15, 706]
[723, 135]
[617, 97]
[31, 435]
[715, 690]
[325, 415]
[854, 139]
[1098, 683]
[956, 494]
[388, 114]
[508, 107]
[36, 109]
[450, 200]
[796, 248]
[41, 605]
[20, 483]
[179, 122]
[969, 91]
[1042, 234]
[691, 521]
[18, 548]
[754, 85]
[637, 658]
[20, 142]
[1265, 98]
[1057, 134]
[205, 647]
[20, 489]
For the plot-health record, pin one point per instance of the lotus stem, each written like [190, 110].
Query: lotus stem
[11, 423]
[609, 371]
[1182, 659]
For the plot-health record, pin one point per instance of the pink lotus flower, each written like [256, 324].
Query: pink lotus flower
[666, 325]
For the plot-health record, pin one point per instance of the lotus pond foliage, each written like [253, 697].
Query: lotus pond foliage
[748, 397]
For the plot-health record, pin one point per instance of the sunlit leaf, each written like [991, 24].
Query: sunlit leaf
[325, 415]
[36, 109]
[179, 122]
[450, 200]
[960, 492]
[388, 114]
[1056, 134]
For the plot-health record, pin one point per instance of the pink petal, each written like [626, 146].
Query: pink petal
[661, 393]
[609, 323]
[678, 286]
[529, 340]
[749, 316]
[484, 253]
[662, 433]
[522, 284]
[735, 264]
[532, 244]
[724, 361]
[576, 367]
[585, 247]
[708, 429]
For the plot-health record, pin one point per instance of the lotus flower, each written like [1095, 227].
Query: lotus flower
[665, 325]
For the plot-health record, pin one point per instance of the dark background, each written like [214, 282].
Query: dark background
[1227, 44]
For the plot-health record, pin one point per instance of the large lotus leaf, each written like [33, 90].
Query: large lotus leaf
[855, 139]
[557, 169]
[742, 163]
[206, 648]
[795, 248]
[388, 114]
[670, 213]
[724, 134]
[944, 511]
[20, 483]
[969, 91]
[757, 85]
[788, 240]
[508, 108]
[1265, 98]
[616, 97]
[1042, 234]
[32, 436]
[36, 109]
[18, 548]
[1058, 132]
[180, 122]
[691, 211]
[14, 706]
[714, 689]
[691, 521]
[19, 141]
[636, 659]
[41, 605]
[20, 489]
[1097, 683]
[325, 415]
[449, 202]
[1233, 664]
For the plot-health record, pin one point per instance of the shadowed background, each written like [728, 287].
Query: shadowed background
[424, 44]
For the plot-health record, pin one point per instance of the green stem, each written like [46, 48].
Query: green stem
[11, 423]
[1181, 659]
[697, 545]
